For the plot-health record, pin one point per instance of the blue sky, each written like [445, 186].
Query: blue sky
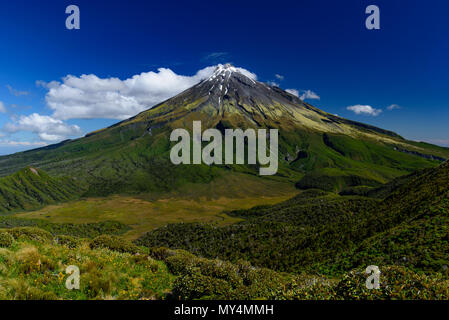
[321, 46]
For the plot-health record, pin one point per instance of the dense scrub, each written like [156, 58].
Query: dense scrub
[114, 243]
[277, 237]
[332, 234]
[200, 278]
[33, 263]
[309, 208]
[86, 230]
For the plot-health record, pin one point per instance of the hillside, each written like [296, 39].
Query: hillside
[30, 188]
[413, 229]
[331, 233]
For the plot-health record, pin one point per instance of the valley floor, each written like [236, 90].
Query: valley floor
[196, 203]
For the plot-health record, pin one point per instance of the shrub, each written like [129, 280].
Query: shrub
[68, 241]
[216, 279]
[221, 270]
[30, 233]
[31, 260]
[194, 285]
[97, 284]
[161, 253]
[19, 289]
[114, 243]
[396, 282]
[6, 240]
[145, 259]
[181, 262]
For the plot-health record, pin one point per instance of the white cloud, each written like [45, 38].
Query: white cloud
[393, 107]
[15, 92]
[364, 109]
[245, 72]
[273, 83]
[2, 108]
[304, 94]
[280, 77]
[217, 56]
[89, 96]
[47, 85]
[293, 92]
[309, 94]
[441, 142]
[46, 127]
[12, 143]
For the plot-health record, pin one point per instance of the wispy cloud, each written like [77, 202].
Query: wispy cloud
[304, 94]
[2, 107]
[364, 109]
[309, 94]
[217, 56]
[47, 85]
[293, 92]
[393, 107]
[15, 92]
[441, 142]
[13, 143]
[280, 77]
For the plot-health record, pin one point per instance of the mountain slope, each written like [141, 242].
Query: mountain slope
[31, 188]
[133, 155]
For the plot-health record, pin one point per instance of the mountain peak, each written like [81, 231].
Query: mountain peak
[223, 68]
[225, 71]
[233, 98]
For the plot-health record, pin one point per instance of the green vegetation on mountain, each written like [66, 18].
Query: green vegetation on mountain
[316, 149]
[31, 188]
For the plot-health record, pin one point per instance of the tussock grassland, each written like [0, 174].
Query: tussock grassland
[32, 267]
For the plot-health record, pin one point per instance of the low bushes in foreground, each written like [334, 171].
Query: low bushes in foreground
[33, 264]
[114, 243]
[200, 278]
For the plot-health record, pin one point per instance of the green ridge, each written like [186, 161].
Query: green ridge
[31, 188]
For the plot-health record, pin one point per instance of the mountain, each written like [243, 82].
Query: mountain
[317, 149]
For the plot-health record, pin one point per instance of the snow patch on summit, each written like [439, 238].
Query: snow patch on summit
[228, 69]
